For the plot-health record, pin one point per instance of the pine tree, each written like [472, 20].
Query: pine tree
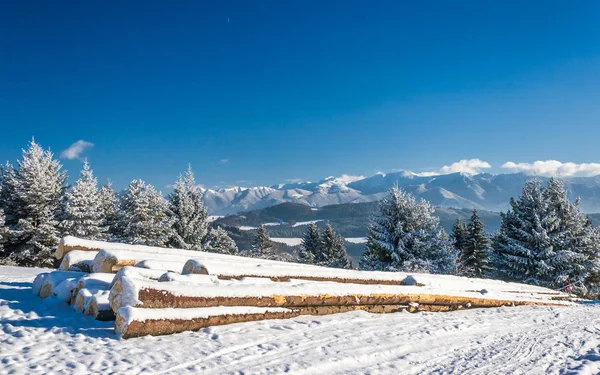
[218, 241]
[472, 259]
[333, 250]
[310, 249]
[145, 218]
[83, 212]
[524, 247]
[109, 206]
[190, 218]
[576, 241]
[262, 246]
[405, 236]
[33, 196]
[2, 232]
[459, 233]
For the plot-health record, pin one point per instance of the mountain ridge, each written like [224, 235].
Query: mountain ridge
[458, 190]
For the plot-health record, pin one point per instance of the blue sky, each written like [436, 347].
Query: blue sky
[259, 92]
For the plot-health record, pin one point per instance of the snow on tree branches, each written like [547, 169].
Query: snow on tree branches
[545, 240]
[218, 241]
[310, 248]
[190, 219]
[333, 251]
[473, 247]
[33, 199]
[405, 236]
[144, 217]
[84, 216]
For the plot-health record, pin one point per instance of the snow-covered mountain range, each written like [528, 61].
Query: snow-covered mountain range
[460, 190]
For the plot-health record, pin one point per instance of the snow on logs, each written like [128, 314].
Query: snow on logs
[134, 322]
[78, 260]
[298, 293]
[45, 283]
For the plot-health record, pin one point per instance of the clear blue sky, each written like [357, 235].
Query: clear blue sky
[299, 89]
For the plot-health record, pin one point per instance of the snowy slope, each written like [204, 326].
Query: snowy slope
[45, 336]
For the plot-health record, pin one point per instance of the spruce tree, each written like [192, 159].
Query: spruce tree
[458, 236]
[144, 218]
[577, 241]
[310, 248]
[190, 218]
[109, 205]
[84, 216]
[33, 196]
[262, 246]
[333, 250]
[218, 241]
[472, 259]
[524, 247]
[405, 236]
[2, 233]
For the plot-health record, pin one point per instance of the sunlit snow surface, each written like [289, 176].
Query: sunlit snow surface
[46, 336]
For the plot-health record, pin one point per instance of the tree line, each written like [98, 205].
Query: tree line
[544, 239]
[37, 207]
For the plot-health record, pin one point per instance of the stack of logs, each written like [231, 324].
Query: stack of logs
[156, 291]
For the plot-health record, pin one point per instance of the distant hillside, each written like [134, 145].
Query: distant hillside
[483, 191]
[350, 220]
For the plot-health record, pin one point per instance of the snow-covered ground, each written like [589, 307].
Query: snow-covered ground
[356, 239]
[301, 223]
[292, 241]
[46, 336]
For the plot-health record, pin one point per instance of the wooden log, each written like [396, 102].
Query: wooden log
[281, 273]
[151, 294]
[99, 307]
[129, 323]
[154, 264]
[47, 282]
[38, 281]
[81, 259]
[64, 290]
[135, 322]
[97, 281]
[226, 266]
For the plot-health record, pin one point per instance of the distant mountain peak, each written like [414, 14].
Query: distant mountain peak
[459, 190]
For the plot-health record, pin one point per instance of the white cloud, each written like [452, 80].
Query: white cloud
[294, 180]
[76, 149]
[471, 166]
[346, 178]
[554, 168]
[223, 161]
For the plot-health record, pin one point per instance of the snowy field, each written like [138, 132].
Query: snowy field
[46, 337]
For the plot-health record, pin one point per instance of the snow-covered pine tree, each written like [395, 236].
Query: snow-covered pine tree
[472, 260]
[84, 216]
[310, 248]
[190, 218]
[2, 234]
[576, 241]
[33, 196]
[405, 236]
[262, 246]
[459, 232]
[218, 241]
[8, 200]
[109, 204]
[524, 247]
[145, 218]
[333, 250]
